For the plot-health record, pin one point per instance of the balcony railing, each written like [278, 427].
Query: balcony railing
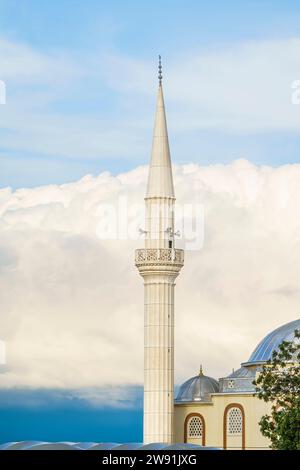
[160, 256]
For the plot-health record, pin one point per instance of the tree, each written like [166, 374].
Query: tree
[279, 384]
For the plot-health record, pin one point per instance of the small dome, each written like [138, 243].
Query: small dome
[263, 352]
[198, 388]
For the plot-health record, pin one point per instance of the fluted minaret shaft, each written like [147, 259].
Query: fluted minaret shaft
[159, 264]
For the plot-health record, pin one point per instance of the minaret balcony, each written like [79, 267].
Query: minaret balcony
[159, 257]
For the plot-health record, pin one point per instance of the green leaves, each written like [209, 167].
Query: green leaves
[279, 383]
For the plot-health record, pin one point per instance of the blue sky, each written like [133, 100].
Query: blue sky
[140, 29]
[77, 71]
[81, 81]
[52, 416]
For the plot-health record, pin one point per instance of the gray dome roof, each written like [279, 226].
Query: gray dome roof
[242, 373]
[240, 380]
[263, 352]
[197, 388]
[37, 445]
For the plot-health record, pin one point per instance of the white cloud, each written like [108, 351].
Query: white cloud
[72, 305]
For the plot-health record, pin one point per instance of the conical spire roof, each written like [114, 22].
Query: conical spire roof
[160, 179]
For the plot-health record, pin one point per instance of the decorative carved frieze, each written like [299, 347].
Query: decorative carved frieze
[158, 256]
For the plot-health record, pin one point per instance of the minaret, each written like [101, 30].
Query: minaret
[159, 264]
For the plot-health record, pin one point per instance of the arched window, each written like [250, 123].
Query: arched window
[234, 421]
[234, 427]
[194, 429]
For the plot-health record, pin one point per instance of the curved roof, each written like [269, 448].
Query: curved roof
[242, 373]
[37, 445]
[239, 381]
[263, 352]
[198, 388]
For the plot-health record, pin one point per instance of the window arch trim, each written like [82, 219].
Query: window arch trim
[186, 423]
[227, 409]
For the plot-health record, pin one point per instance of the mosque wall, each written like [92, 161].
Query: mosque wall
[228, 421]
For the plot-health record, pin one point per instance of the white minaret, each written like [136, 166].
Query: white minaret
[159, 264]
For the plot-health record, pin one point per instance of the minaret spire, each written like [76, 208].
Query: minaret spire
[159, 264]
[160, 179]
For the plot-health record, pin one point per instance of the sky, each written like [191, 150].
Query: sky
[75, 132]
[80, 90]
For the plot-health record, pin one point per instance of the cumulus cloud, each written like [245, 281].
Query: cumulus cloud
[72, 304]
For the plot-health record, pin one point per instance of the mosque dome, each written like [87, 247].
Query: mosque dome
[198, 388]
[263, 351]
[108, 446]
[241, 380]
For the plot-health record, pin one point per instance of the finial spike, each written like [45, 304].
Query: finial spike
[159, 70]
[201, 370]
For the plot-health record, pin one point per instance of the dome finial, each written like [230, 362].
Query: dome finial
[201, 370]
[159, 70]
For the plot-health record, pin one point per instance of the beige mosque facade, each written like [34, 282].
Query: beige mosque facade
[223, 414]
[220, 413]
